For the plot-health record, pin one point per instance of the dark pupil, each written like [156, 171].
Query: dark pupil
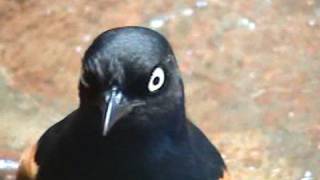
[156, 80]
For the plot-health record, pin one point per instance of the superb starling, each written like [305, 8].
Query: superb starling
[131, 123]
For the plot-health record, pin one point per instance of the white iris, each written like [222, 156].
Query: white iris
[156, 80]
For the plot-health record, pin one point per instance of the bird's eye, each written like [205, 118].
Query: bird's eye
[156, 80]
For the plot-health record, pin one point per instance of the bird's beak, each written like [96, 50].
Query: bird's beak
[116, 105]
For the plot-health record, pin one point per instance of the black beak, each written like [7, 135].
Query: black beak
[115, 107]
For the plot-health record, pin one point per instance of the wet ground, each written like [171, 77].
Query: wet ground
[251, 70]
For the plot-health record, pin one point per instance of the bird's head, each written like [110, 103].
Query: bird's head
[131, 74]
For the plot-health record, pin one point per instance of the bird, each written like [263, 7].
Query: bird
[131, 122]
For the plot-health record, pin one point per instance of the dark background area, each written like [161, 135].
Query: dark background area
[251, 70]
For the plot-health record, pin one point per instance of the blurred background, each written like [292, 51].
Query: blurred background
[251, 70]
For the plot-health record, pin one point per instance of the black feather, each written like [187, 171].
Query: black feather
[153, 142]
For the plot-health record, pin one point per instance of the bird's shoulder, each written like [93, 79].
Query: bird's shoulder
[36, 153]
[50, 140]
[191, 156]
[204, 151]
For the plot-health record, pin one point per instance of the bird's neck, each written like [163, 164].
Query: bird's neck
[172, 125]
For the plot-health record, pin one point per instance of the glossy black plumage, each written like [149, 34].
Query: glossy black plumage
[153, 140]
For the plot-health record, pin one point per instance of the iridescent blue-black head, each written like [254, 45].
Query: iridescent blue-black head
[131, 75]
